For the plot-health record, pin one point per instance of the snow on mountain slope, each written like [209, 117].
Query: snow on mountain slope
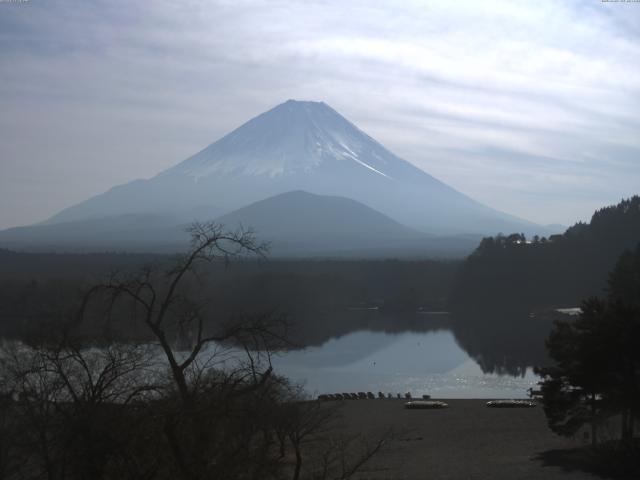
[302, 146]
[293, 137]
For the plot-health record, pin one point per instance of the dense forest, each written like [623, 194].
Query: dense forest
[320, 298]
[541, 273]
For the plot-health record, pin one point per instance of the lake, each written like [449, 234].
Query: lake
[429, 363]
[423, 354]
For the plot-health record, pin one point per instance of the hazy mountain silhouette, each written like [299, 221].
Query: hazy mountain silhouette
[303, 221]
[295, 223]
[300, 146]
[132, 232]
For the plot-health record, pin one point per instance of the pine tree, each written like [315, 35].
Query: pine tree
[597, 359]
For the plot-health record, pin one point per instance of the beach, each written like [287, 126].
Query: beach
[466, 441]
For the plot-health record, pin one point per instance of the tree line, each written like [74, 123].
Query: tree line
[318, 296]
[538, 273]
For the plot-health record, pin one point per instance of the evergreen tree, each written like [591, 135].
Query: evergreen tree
[597, 369]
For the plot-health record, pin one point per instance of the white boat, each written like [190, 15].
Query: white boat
[425, 404]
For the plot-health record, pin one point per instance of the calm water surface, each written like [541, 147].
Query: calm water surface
[421, 363]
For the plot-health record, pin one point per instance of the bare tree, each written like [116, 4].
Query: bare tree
[159, 301]
[69, 403]
[169, 305]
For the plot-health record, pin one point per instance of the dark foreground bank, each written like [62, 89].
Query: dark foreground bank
[465, 441]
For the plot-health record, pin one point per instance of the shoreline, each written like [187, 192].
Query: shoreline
[467, 440]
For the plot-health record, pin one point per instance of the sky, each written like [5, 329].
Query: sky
[532, 108]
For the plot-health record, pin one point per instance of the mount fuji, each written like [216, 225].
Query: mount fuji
[300, 145]
[303, 175]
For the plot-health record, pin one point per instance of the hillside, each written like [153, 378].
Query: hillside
[302, 222]
[548, 272]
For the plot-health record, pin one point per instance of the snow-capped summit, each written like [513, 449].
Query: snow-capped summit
[295, 136]
[300, 145]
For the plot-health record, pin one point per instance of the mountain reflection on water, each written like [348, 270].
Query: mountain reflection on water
[424, 354]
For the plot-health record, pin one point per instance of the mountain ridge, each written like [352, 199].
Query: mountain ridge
[296, 224]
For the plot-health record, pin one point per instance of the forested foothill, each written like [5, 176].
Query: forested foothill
[539, 273]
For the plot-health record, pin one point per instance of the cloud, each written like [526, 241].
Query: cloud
[530, 107]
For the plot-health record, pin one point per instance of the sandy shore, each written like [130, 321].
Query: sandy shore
[463, 442]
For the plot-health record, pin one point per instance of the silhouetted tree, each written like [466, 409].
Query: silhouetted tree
[69, 408]
[597, 358]
[193, 345]
[573, 388]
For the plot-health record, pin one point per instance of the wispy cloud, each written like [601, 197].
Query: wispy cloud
[530, 107]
